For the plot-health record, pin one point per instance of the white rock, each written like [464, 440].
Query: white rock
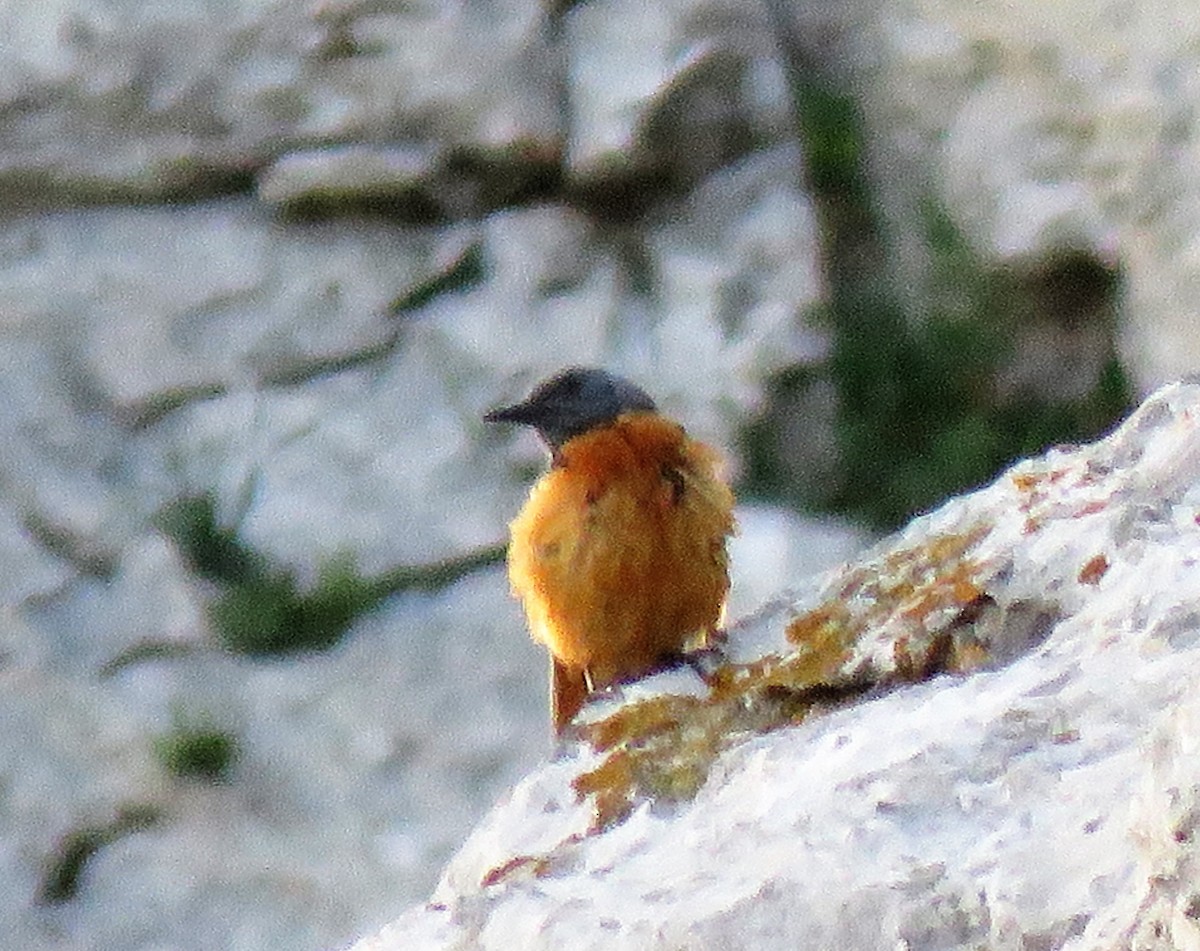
[359, 771]
[392, 464]
[72, 759]
[146, 302]
[352, 170]
[149, 299]
[1014, 805]
[26, 568]
[115, 100]
[774, 547]
[1043, 127]
[738, 271]
[701, 69]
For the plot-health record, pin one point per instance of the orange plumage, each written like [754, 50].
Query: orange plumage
[619, 553]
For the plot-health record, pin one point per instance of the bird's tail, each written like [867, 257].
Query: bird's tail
[568, 690]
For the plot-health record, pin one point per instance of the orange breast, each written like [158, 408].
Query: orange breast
[619, 553]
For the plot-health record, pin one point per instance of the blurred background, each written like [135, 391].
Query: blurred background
[265, 263]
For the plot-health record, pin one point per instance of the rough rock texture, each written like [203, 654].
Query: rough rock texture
[283, 253]
[979, 734]
[111, 101]
[1049, 127]
[1041, 128]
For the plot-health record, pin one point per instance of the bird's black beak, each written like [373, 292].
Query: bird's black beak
[522, 413]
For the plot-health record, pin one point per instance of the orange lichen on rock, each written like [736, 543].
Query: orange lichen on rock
[969, 656]
[1029, 481]
[1093, 570]
[645, 719]
[658, 748]
[922, 586]
[820, 626]
[613, 784]
[534, 865]
[661, 749]
[950, 594]
[1025, 481]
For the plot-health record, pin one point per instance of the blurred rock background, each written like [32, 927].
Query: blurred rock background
[264, 265]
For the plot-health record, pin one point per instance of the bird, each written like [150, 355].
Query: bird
[619, 555]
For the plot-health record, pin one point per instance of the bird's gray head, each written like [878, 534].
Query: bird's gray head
[575, 401]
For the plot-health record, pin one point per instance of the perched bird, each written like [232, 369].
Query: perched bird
[618, 556]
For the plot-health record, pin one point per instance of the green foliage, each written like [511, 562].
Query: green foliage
[919, 413]
[269, 614]
[831, 129]
[920, 410]
[65, 866]
[919, 419]
[211, 550]
[468, 270]
[262, 610]
[197, 750]
[259, 608]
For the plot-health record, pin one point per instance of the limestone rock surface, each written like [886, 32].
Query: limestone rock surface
[1046, 128]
